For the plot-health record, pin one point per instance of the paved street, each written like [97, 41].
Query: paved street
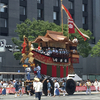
[76, 96]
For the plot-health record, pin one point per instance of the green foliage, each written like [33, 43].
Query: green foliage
[17, 55]
[32, 29]
[96, 50]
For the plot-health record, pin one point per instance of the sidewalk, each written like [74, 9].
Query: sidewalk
[76, 96]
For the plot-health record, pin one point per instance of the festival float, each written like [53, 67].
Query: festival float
[56, 55]
[55, 64]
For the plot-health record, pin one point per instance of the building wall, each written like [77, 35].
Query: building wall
[32, 9]
[48, 10]
[96, 19]
[13, 16]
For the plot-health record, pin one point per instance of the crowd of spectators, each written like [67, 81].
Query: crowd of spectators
[11, 84]
[93, 83]
[49, 51]
[30, 89]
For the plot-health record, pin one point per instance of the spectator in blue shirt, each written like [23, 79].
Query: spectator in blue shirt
[16, 85]
[48, 87]
[38, 68]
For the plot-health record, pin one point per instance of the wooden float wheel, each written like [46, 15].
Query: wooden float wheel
[70, 86]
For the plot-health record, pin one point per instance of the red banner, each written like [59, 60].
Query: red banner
[71, 26]
[83, 88]
[11, 90]
[44, 69]
[75, 60]
[61, 71]
[54, 71]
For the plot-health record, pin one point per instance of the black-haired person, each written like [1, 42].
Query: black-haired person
[75, 40]
[37, 69]
[20, 88]
[99, 85]
[16, 85]
[96, 85]
[48, 88]
[28, 70]
[31, 91]
[56, 88]
[64, 87]
[28, 89]
[88, 84]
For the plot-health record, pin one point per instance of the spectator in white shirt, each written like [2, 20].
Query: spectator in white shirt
[56, 88]
[99, 85]
[96, 85]
[75, 40]
[38, 88]
[34, 85]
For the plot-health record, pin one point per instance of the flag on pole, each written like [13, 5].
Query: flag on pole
[71, 26]
[70, 20]
[70, 17]
[83, 35]
[67, 12]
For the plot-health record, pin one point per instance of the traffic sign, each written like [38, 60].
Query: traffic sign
[2, 45]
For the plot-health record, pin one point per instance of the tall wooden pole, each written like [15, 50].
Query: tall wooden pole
[61, 16]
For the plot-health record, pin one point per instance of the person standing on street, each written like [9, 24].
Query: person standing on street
[48, 87]
[34, 85]
[64, 87]
[38, 88]
[56, 88]
[96, 85]
[99, 85]
[16, 88]
[88, 84]
[20, 88]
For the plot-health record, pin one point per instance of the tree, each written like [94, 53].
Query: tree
[33, 29]
[96, 50]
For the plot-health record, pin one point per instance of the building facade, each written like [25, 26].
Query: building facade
[12, 12]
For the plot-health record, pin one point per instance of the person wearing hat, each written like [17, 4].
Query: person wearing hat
[38, 88]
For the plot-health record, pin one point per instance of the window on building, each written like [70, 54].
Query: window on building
[3, 22]
[2, 7]
[71, 5]
[57, 2]
[84, 7]
[22, 10]
[83, 20]
[0, 59]
[40, 13]
[22, 0]
[54, 15]
[40, 1]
